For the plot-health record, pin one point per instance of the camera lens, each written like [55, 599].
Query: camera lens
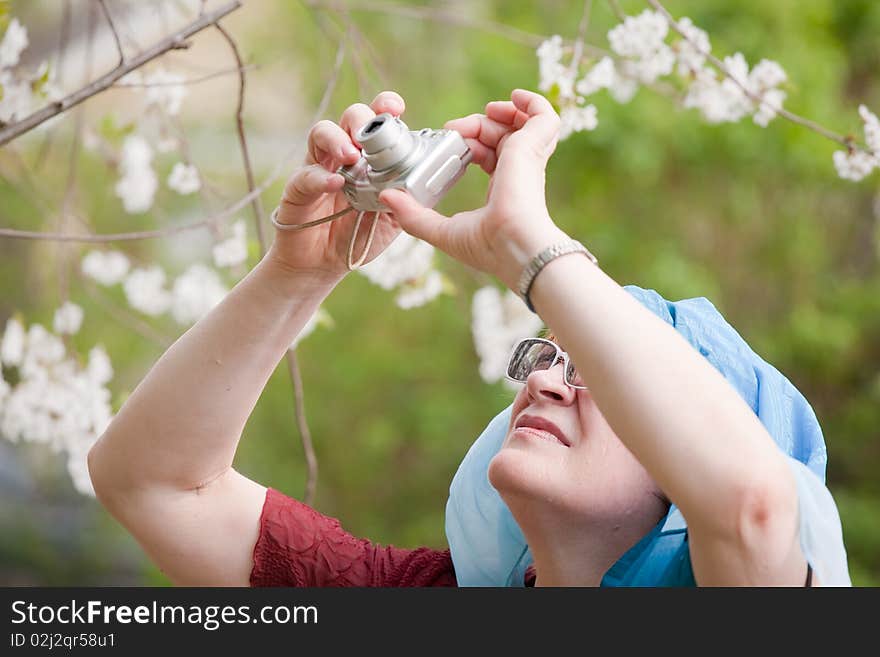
[386, 141]
[375, 124]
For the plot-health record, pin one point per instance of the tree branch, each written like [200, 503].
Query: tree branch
[172, 42]
[113, 30]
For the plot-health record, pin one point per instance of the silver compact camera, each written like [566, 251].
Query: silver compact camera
[426, 163]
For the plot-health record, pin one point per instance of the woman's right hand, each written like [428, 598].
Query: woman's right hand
[315, 190]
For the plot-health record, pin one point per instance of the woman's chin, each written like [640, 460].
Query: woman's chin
[511, 470]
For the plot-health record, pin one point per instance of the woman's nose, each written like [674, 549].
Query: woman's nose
[549, 385]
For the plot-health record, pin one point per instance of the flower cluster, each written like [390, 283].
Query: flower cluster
[643, 56]
[163, 95]
[407, 265]
[855, 164]
[20, 87]
[232, 251]
[55, 401]
[138, 183]
[191, 296]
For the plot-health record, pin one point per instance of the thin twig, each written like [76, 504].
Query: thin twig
[209, 76]
[305, 433]
[582, 34]
[143, 234]
[113, 30]
[126, 318]
[172, 42]
[331, 84]
[63, 38]
[256, 203]
[794, 118]
[617, 11]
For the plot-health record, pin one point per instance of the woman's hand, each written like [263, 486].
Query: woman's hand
[315, 190]
[512, 141]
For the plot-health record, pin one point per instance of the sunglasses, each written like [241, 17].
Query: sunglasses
[533, 354]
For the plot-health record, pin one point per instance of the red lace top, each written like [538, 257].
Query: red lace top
[298, 546]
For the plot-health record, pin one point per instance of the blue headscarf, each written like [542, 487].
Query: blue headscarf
[488, 547]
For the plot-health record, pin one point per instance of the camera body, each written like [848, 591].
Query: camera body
[426, 163]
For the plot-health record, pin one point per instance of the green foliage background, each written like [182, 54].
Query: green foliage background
[754, 219]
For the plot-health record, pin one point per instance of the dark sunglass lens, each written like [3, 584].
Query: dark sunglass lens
[531, 355]
[572, 376]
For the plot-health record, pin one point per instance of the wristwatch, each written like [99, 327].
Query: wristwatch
[530, 273]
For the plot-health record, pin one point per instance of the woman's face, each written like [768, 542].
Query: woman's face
[560, 451]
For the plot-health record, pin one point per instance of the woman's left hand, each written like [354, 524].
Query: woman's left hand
[512, 141]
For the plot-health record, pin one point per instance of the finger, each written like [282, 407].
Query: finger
[543, 122]
[504, 111]
[482, 155]
[414, 218]
[481, 127]
[354, 118]
[307, 185]
[329, 145]
[388, 101]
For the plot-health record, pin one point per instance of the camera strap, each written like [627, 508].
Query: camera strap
[352, 265]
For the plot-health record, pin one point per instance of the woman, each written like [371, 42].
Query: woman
[583, 484]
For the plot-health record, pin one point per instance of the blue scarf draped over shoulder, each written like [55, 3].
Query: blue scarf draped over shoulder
[489, 549]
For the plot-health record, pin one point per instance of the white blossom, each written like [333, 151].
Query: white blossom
[57, 403]
[641, 40]
[855, 165]
[550, 67]
[766, 75]
[692, 49]
[195, 293]
[420, 292]
[498, 322]
[68, 318]
[406, 258]
[184, 178]
[575, 119]
[138, 184]
[106, 267]
[12, 347]
[165, 90]
[99, 368]
[601, 76]
[639, 36]
[14, 42]
[733, 98]
[232, 251]
[770, 102]
[18, 97]
[872, 129]
[42, 350]
[145, 291]
[78, 469]
[623, 89]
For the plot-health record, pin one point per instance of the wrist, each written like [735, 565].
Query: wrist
[292, 282]
[520, 250]
[545, 258]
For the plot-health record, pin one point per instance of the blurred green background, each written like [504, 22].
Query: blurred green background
[754, 219]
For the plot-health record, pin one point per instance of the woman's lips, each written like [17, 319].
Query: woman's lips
[542, 425]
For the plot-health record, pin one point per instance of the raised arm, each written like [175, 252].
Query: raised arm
[163, 467]
[690, 429]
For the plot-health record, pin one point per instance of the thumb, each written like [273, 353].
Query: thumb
[413, 217]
